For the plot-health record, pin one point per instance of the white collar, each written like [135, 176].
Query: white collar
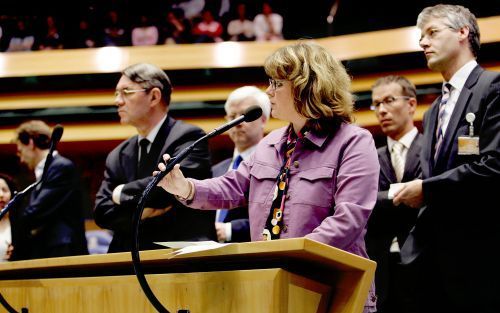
[245, 154]
[406, 140]
[41, 164]
[460, 77]
[152, 134]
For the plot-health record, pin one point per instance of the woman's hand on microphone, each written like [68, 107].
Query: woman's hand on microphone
[174, 182]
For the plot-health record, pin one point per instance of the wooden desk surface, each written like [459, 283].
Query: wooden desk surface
[242, 255]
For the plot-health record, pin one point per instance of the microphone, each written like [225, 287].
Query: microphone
[55, 137]
[57, 133]
[250, 115]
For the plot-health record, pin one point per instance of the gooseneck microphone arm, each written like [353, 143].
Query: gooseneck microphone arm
[250, 115]
[55, 137]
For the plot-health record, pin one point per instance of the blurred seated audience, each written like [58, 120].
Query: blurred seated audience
[191, 8]
[176, 29]
[50, 38]
[22, 38]
[208, 30]
[241, 28]
[115, 33]
[86, 36]
[145, 34]
[268, 25]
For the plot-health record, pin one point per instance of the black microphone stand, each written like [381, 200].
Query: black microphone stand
[136, 260]
[250, 115]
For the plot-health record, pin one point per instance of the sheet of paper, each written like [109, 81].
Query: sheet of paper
[183, 244]
[393, 188]
[186, 247]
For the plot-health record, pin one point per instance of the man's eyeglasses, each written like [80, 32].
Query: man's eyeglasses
[387, 101]
[431, 33]
[275, 84]
[125, 92]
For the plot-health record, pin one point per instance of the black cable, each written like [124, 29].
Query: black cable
[251, 114]
[136, 219]
[6, 305]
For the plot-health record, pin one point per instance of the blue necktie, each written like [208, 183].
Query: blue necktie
[223, 212]
[237, 162]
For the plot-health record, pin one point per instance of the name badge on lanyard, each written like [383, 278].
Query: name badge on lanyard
[469, 145]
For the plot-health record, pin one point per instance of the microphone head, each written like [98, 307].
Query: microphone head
[252, 113]
[57, 133]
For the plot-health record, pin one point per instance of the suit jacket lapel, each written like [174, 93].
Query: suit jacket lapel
[162, 141]
[386, 166]
[412, 163]
[428, 140]
[457, 115]
[129, 156]
[168, 137]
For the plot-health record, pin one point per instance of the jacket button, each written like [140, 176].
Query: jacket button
[285, 229]
[287, 197]
[296, 163]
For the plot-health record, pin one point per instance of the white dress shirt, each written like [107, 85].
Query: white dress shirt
[458, 82]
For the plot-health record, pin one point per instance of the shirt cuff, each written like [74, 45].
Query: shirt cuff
[117, 193]
[229, 229]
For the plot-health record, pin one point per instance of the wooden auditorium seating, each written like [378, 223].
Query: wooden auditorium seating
[219, 57]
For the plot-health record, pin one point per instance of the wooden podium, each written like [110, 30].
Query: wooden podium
[290, 275]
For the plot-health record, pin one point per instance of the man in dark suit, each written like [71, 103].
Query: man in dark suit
[394, 102]
[232, 225]
[143, 97]
[52, 224]
[452, 245]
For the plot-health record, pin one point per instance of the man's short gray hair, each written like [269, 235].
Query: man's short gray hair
[457, 17]
[242, 93]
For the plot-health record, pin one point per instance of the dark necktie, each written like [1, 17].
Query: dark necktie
[223, 212]
[142, 168]
[440, 122]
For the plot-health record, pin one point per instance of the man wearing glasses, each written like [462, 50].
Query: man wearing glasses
[453, 242]
[394, 104]
[143, 97]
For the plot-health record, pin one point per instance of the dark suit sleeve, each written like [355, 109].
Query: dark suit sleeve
[383, 201]
[195, 165]
[481, 173]
[240, 230]
[55, 192]
[118, 217]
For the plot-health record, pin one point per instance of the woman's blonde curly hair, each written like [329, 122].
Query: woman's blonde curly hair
[320, 84]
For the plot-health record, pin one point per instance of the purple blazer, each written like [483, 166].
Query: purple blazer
[333, 187]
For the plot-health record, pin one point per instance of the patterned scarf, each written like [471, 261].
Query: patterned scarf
[274, 223]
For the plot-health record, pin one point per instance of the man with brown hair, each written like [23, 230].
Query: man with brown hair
[53, 221]
[394, 103]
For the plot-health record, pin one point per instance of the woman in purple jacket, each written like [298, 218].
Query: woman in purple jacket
[316, 178]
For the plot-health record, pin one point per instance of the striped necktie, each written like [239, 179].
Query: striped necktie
[441, 115]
